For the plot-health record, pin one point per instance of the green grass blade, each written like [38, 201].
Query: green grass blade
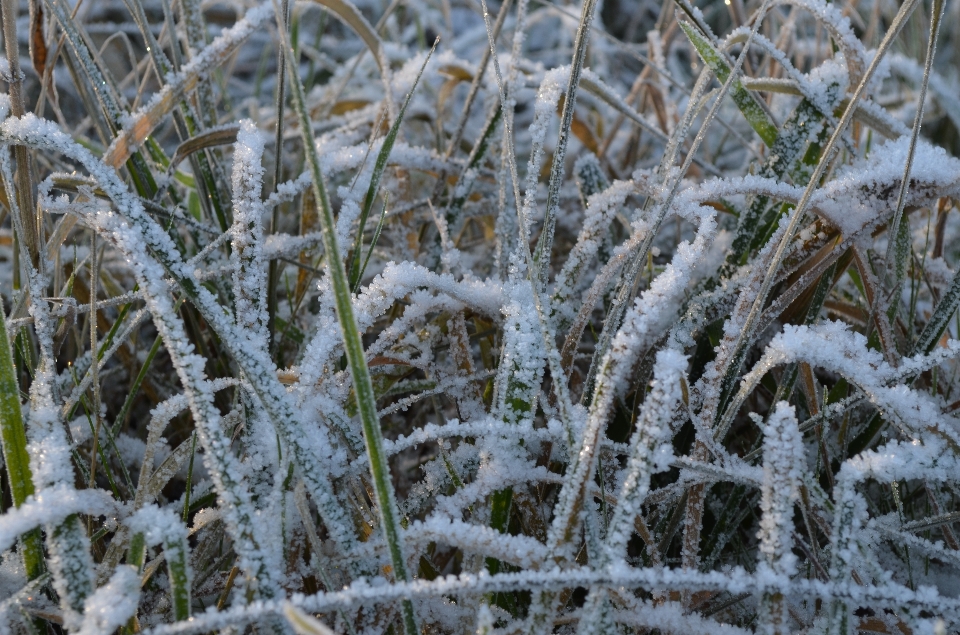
[373, 243]
[363, 386]
[135, 388]
[153, 525]
[790, 142]
[751, 109]
[940, 319]
[378, 168]
[15, 455]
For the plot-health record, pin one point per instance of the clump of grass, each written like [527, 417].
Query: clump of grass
[442, 317]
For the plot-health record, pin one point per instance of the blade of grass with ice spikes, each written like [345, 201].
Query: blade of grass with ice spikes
[363, 387]
[541, 254]
[647, 457]
[152, 525]
[67, 545]
[735, 354]
[373, 189]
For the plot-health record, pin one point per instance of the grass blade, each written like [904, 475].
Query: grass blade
[379, 166]
[545, 243]
[363, 387]
[373, 244]
[15, 456]
[935, 20]
[746, 101]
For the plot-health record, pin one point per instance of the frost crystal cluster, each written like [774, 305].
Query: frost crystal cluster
[456, 316]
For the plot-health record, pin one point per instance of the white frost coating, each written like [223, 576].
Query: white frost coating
[734, 581]
[650, 315]
[651, 449]
[545, 106]
[601, 207]
[657, 307]
[426, 334]
[68, 548]
[162, 414]
[866, 191]
[827, 83]
[521, 551]
[249, 275]
[163, 526]
[394, 282]
[651, 453]
[224, 467]
[783, 466]
[833, 18]
[832, 346]
[49, 507]
[672, 617]
[928, 456]
[113, 604]
[157, 525]
[523, 358]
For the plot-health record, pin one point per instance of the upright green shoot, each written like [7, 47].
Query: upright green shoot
[363, 387]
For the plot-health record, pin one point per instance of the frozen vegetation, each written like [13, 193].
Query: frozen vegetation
[454, 316]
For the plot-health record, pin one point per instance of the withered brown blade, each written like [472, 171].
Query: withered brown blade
[216, 137]
[38, 45]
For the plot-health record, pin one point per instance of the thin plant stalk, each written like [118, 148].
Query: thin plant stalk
[545, 243]
[94, 365]
[273, 270]
[936, 18]
[363, 386]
